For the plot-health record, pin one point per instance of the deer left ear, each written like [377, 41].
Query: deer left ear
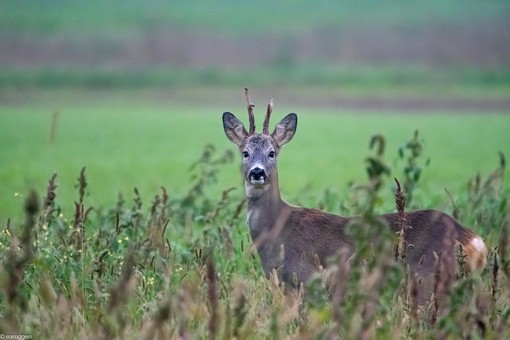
[285, 129]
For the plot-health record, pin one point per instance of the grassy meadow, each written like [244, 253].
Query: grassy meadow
[122, 209]
[177, 262]
[132, 142]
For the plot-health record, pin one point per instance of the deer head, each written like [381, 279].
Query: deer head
[259, 150]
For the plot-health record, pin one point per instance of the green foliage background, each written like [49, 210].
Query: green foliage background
[134, 92]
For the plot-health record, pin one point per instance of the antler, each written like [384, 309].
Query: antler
[265, 127]
[251, 117]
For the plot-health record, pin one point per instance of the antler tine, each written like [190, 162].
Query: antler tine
[265, 127]
[251, 117]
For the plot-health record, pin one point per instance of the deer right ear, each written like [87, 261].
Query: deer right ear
[234, 129]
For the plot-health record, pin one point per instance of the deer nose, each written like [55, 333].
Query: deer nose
[257, 174]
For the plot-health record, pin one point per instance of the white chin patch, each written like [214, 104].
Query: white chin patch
[257, 181]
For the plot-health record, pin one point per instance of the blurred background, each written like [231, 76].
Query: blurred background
[134, 90]
[376, 54]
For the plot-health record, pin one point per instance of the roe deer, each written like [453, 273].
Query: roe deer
[307, 234]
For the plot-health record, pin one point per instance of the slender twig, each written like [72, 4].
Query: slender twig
[455, 212]
[212, 295]
[400, 202]
[54, 125]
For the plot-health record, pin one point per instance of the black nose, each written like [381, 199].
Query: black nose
[257, 173]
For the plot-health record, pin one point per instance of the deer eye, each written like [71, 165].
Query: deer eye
[271, 154]
[246, 154]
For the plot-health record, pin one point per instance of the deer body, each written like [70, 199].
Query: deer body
[292, 239]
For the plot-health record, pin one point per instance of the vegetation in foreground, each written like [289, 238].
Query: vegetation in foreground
[182, 267]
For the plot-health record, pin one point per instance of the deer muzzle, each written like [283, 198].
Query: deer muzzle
[257, 175]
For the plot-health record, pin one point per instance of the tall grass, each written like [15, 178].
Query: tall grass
[182, 267]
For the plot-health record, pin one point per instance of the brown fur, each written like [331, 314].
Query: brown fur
[308, 234]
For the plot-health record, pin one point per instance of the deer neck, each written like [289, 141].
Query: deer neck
[266, 209]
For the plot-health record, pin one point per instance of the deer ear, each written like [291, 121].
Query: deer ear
[234, 129]
[285, 129]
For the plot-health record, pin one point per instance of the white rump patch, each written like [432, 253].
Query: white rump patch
[478, 244]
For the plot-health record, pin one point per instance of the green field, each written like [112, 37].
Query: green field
[357, 45]
[58, 15]
[101, 286]
[128, 142]
[134, 92]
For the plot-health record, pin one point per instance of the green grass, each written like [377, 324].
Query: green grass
[180, 264]
[127, 141]
[389, 81]
[85, 36]
[176, 262]
[235, 17]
